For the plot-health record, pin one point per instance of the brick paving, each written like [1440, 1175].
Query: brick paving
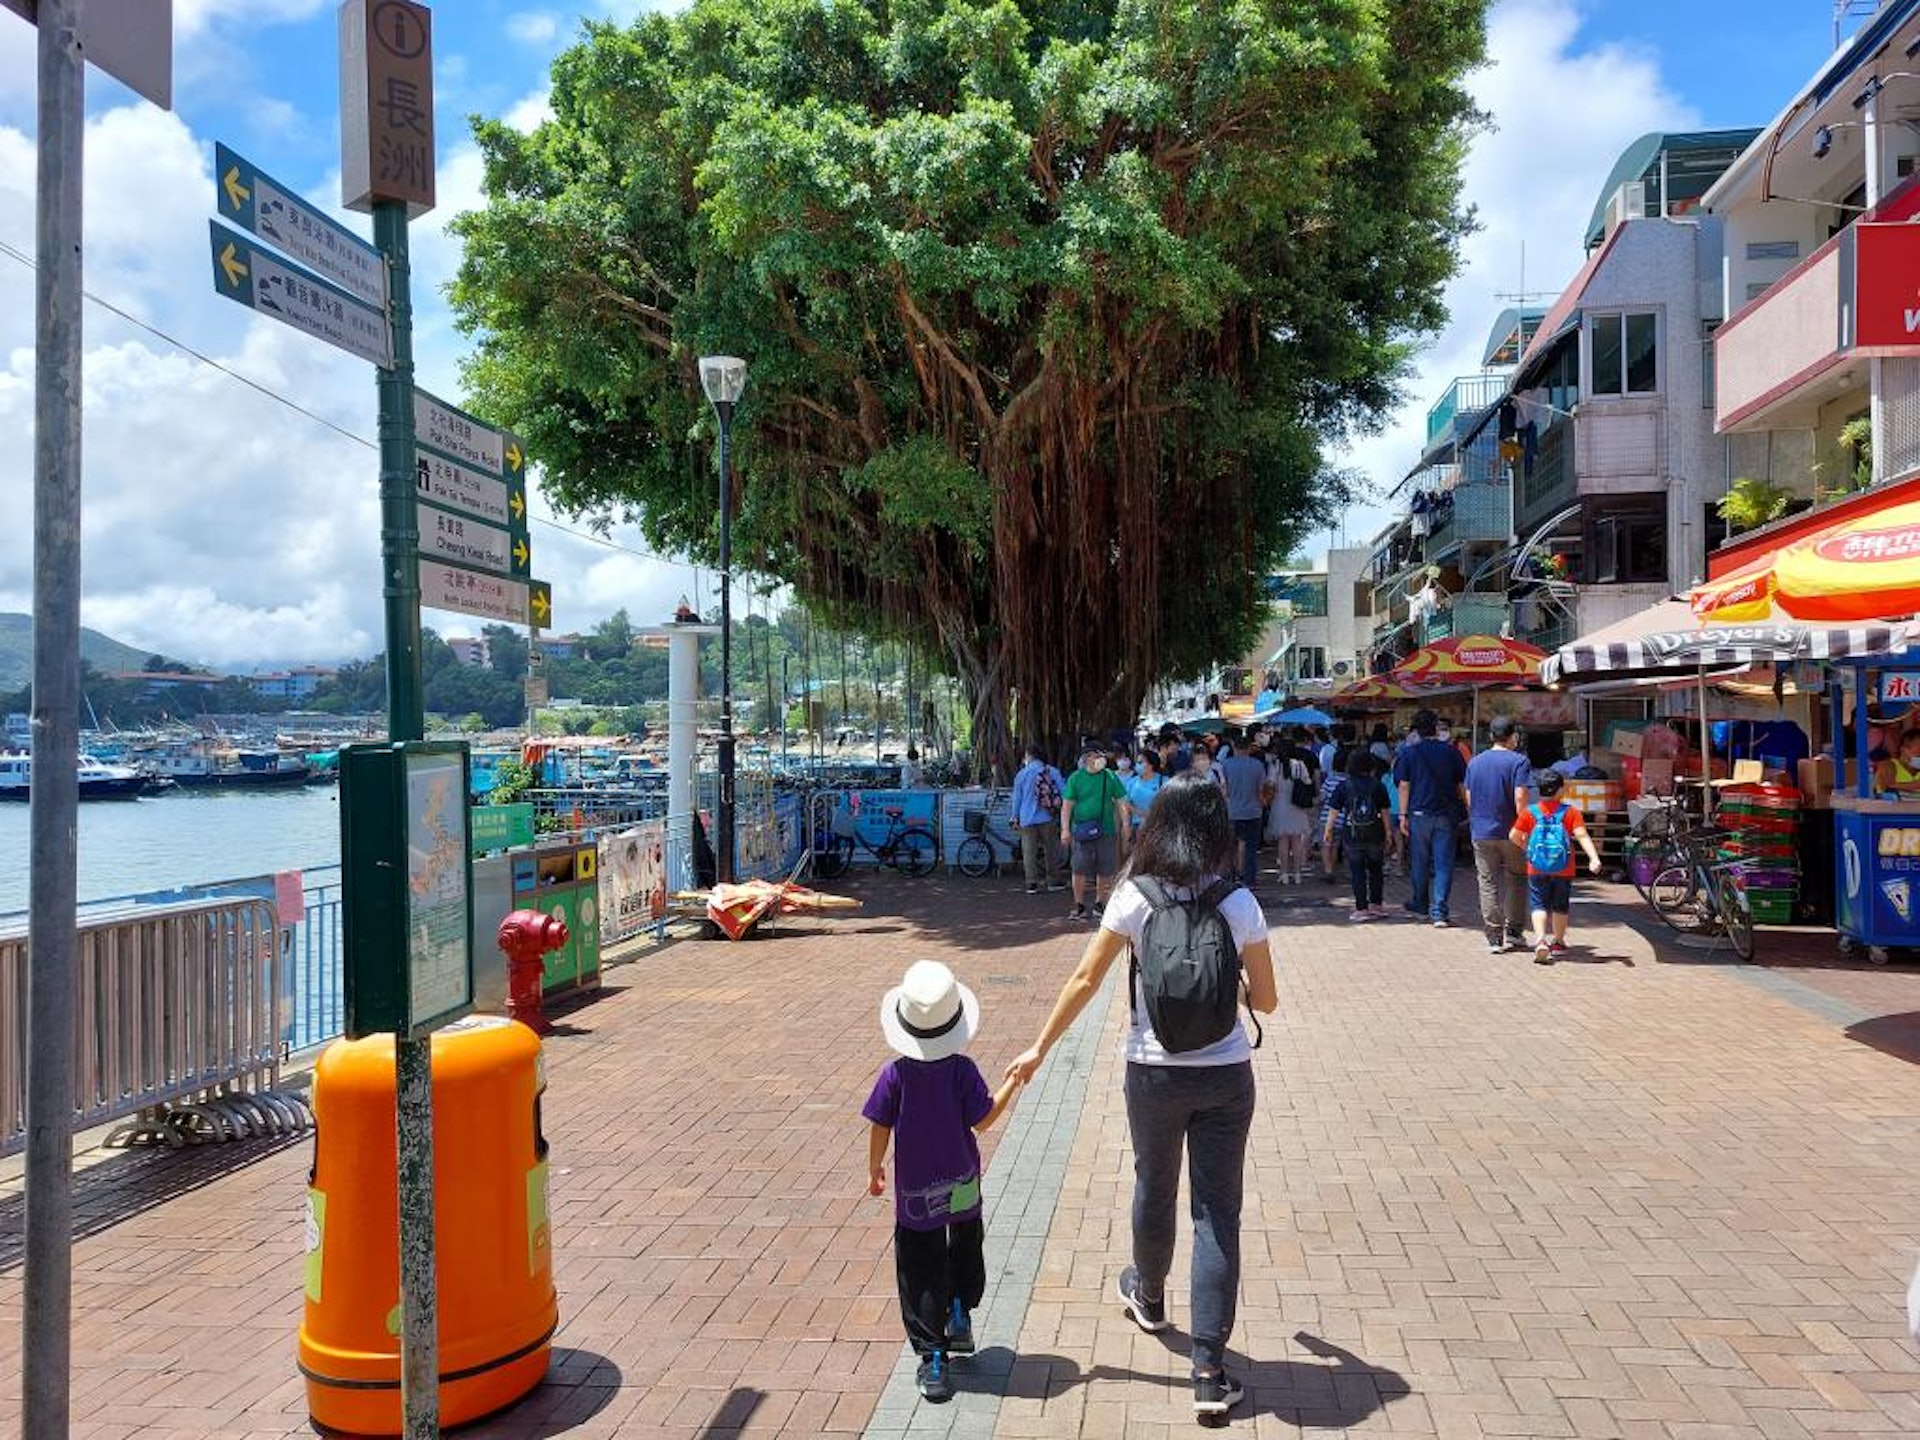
[1620, 1197]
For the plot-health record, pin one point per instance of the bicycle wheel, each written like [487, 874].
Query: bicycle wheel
[975, 857]
[832, 855]
[1736, 915]
[1674, 895]
[915, 851]
[1658, 851]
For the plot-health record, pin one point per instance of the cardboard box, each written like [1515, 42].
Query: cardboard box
[1656, 777]
[1627, 742]
[1816, 782]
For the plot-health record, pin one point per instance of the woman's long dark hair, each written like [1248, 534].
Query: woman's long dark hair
[1186, 836]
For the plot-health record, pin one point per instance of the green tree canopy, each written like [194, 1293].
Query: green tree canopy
[1052, 306]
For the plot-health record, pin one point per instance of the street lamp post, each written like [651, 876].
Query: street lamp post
[724, 378]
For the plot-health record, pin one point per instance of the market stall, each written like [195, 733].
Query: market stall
[1876, 832]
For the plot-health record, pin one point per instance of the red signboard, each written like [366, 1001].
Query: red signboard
[1886, 285]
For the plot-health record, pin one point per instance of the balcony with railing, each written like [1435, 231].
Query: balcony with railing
[1464, 399]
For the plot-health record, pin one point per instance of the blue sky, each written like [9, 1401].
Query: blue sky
[226, 529]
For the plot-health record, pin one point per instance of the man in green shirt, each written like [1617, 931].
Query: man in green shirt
[1094, 798]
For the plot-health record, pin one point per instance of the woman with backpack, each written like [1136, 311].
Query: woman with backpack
[1194, 936]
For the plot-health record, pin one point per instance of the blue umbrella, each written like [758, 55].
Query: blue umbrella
[1303, 715]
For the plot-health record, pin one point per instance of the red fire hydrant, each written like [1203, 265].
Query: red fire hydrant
[527, 936]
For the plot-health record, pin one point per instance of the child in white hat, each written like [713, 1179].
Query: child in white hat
[930, 1102]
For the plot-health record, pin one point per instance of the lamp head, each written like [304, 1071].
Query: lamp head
[724, 377]
[1822, 142]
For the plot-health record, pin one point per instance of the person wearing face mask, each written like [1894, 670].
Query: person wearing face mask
[1900, 775]
[1202, 764]
[1094, 823]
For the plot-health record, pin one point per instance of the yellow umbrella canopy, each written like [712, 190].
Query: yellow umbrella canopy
[1473, 660]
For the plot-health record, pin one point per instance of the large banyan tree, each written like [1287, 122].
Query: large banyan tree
[1053, 307]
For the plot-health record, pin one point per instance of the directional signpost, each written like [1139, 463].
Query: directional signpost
[262, 205]
[453, 513]
[257, 278]
[475, 557]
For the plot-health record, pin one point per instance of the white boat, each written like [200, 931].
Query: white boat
[97, 781]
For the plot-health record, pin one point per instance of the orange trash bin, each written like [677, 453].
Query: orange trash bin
[493, 1240]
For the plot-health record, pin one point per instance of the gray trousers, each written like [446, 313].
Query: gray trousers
[1038, 853]
[1207, 1109]
[1502, 868]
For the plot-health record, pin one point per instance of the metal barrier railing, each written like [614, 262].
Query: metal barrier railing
[173, 1001]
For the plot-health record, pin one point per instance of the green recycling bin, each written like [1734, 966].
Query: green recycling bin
[564, 881]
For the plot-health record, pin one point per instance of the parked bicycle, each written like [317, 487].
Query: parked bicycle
[979, 853]
[1703, 894]
[908, 846]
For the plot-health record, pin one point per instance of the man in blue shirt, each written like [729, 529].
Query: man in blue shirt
[1037, 790]
[1243, 774]
[1497, 781]
[1432, 781]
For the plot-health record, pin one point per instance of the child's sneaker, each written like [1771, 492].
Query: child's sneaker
[936, 1386]
[1360, 917]
[1215, 1394]
[1543, 953]
[1559, 950]
[1147, 1314]
[959, 1330]
[1078, 914]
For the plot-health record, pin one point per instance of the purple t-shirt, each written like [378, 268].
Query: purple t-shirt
[932, 1106]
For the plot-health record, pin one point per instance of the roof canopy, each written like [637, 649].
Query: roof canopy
[1694, 160]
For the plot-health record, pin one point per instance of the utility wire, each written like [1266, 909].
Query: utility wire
[319, 419]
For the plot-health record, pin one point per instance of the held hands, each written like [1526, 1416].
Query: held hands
[1024, 1065]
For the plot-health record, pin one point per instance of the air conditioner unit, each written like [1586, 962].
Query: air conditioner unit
[1629, 202]
[1342, 669]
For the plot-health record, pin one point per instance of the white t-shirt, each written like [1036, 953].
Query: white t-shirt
[1126, 914]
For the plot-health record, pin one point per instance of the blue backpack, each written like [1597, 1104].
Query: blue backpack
[1548, 849]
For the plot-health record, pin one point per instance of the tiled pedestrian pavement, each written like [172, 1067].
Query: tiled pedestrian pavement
[1625, 1196]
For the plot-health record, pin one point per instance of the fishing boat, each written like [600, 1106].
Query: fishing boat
[207, 765]
[98, 781]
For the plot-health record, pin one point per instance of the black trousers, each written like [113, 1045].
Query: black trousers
[934, 1268]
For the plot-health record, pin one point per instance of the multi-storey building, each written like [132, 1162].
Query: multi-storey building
[1818, 364]
[1578, 486]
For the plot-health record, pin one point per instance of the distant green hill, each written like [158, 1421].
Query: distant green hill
[102, 652]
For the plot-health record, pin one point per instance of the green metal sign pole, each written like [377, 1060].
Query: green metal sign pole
[406, 720]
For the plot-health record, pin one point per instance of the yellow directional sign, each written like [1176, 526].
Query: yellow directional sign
[252, 199]
[539, 603]
[521, 554]
[517, 503]
[249, 275]
[235, 267]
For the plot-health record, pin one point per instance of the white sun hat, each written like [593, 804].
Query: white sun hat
[929, 1015]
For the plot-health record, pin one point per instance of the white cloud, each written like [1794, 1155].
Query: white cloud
[192, 18]
[533, 27]
[1562, 110]
[219, 525]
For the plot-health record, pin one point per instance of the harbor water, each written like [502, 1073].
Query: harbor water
[128, 847]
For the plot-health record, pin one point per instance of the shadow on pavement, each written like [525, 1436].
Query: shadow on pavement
[733, 1414]
[1312, 1396]
[1895, 1035]
[579, 1385]
[137, 1180]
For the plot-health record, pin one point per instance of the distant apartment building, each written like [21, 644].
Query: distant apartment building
[1582, 483]
[159, 682]
[295, 684]
[561, 647]
[1322, 625]
[472, 650]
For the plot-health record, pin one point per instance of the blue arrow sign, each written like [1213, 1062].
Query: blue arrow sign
[255, 201]
[253, 277]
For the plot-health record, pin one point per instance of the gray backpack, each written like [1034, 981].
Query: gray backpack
[1188, 968]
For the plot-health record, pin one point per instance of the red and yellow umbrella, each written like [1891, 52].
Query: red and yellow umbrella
[1740, 597]
[1473, 660]
[1862, 569]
